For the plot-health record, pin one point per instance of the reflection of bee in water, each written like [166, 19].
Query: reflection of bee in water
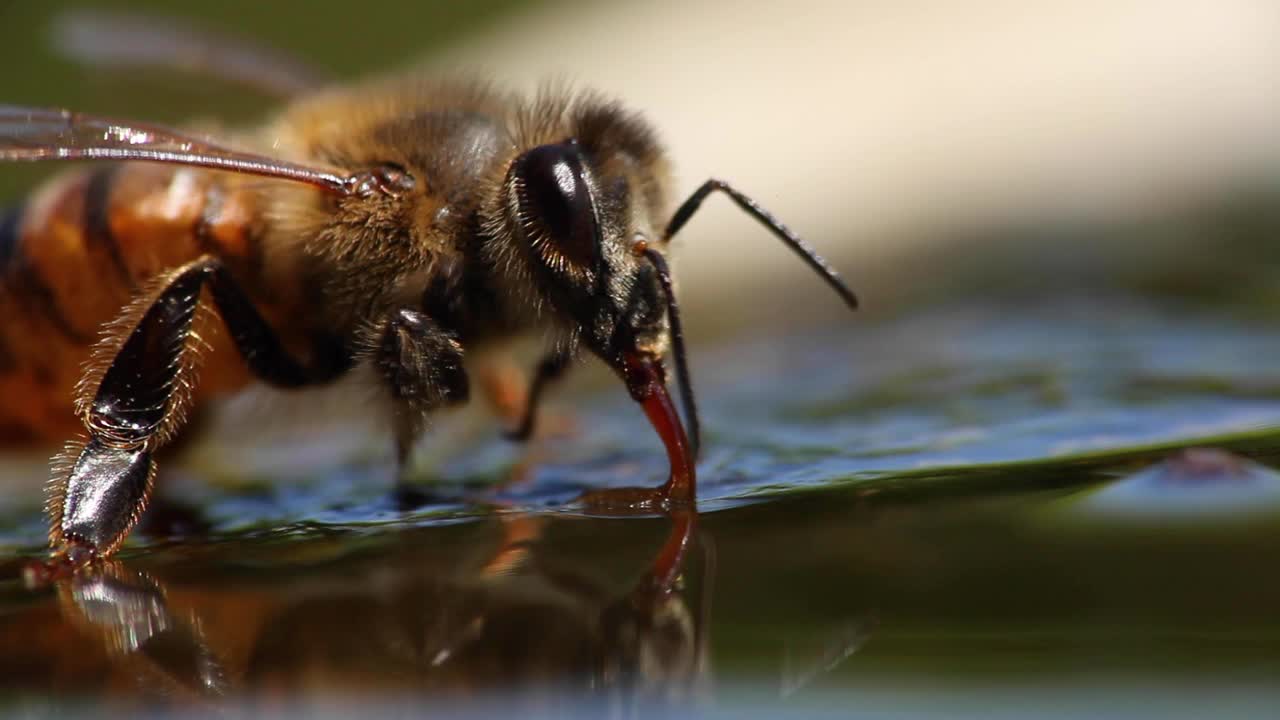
[524, 623]
[399, 225]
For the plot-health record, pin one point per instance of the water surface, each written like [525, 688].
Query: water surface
[1070, 510]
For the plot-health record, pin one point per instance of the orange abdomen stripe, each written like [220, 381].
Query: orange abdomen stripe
[75, 253]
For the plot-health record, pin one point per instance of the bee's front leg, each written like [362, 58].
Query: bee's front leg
[421, 365]
[551, 368]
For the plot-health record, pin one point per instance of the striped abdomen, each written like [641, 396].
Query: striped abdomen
[73, 254]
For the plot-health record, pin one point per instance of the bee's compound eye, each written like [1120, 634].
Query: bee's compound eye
[553, 192]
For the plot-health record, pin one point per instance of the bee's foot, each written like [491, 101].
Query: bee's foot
[408, 497]
[62, 563]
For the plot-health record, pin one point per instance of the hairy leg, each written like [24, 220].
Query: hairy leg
[421, 366]
[133, 398]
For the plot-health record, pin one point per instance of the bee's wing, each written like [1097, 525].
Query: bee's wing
[117, 40]
[30, 134]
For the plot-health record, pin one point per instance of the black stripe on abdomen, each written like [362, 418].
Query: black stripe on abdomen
[97, 220]
[23, 280]
[10, 223]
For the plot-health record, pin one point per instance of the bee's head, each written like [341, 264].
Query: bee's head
[578, 222]
[584, 249]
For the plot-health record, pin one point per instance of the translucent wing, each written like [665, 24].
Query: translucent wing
[117, 40]
[30, 134]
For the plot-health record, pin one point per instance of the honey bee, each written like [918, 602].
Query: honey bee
[400, 224]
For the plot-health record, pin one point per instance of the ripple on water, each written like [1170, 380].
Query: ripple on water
[1196, 483]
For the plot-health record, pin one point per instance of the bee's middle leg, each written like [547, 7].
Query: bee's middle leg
[420, 364]
[134, 401]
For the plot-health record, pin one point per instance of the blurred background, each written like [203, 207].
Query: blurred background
[1034, 475]
[921, 144]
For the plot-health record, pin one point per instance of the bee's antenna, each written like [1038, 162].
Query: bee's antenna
[793, 241]
[677, 350]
